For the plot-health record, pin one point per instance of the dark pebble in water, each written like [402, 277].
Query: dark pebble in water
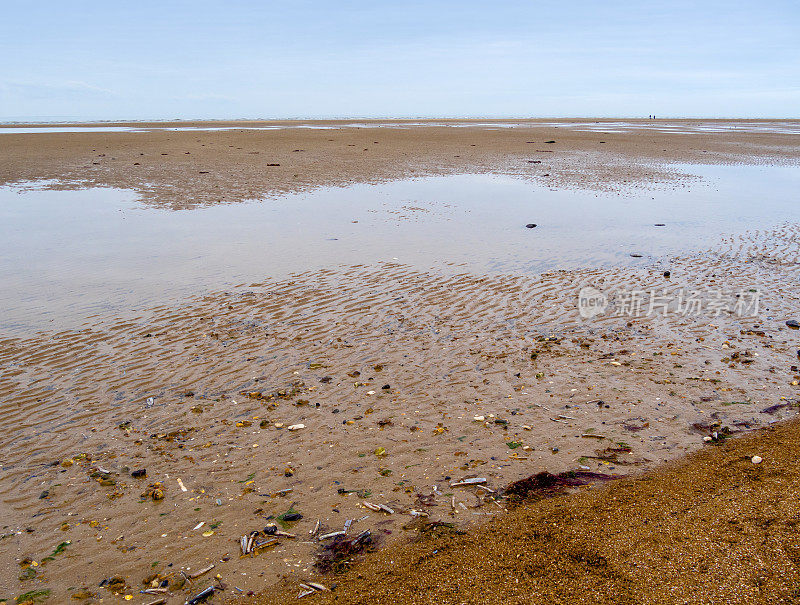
[292, 517]
[659, 225]
[636, 255]
[386, 387]
[667, 274]
[793, 323]
[530, 225]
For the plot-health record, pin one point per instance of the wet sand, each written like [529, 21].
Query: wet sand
[403, 380]
[188, 168]
[713, 529]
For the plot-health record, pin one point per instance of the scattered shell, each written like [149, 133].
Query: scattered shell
[200, 572]
[471, 481]
[378, 507]
[201, 596]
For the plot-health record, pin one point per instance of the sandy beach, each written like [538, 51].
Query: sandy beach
[195, 167]
[145, 443]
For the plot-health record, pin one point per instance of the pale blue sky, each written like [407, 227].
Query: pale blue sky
[236, 59]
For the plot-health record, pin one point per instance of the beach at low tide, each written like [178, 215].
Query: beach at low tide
[318, 319]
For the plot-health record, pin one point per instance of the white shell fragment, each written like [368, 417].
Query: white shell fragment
[296, 427]
[471, 481]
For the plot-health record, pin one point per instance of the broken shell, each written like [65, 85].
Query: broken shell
[471, 481]
[296, 427]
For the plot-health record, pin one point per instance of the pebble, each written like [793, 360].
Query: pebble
[479, 418]
[756, 460]
[793, 323]
[296, 427]
[530, 225]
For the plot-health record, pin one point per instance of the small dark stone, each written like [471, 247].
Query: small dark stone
[138, 474]
[634, 255]
[660, 225]
[386, 387]
[793, 323]
[292, 517]
[667, 274]
[530, 225]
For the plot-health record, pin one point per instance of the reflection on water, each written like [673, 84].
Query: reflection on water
[65, 255]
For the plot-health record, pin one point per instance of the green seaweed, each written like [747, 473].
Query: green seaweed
[33, 595]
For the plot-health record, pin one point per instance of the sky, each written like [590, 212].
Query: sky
[323, 59]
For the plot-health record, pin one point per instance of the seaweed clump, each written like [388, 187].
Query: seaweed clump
[339, 554]
[547, 485]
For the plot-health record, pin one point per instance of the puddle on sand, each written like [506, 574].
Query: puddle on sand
[66, 255]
